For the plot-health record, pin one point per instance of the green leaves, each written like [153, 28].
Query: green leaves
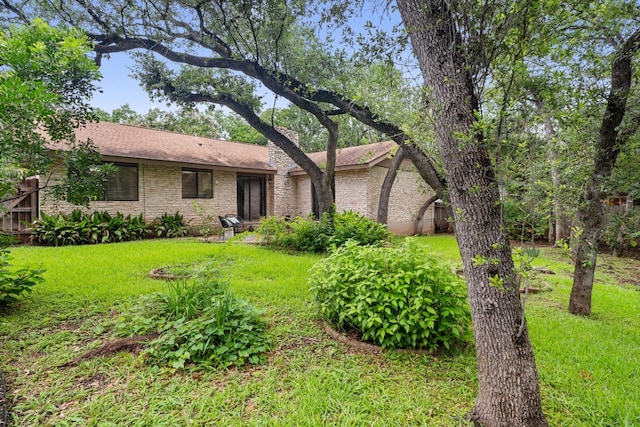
[395, 297]
[14, 284]
[46, 82]
[308, 235]
[199, 322]
[81, 228]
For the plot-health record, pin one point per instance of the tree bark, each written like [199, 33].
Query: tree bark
[420, 221]
[387, 185]
[508, 391]
[591, 214]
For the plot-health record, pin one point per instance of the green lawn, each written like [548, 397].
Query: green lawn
[589, 368]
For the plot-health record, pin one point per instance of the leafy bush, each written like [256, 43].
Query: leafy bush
[622, 230]
[7, 240]
[170, 225]
[13, 284]
[397, 297]
[199, 322]
[352, 225]
[273, 229]
[305, 234]
[80, 228]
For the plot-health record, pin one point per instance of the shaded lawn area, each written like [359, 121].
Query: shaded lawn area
[588, 367]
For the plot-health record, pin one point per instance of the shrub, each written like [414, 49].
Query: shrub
[7, 240]
[79, 228]
[309, 235]
[170, 225]
[14, 284]
[273, 230]
[199, 322]
[622, 230]
[352, 225]
[305, 234]
[521, 224]
[398, 297]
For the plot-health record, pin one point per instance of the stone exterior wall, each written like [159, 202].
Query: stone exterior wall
[359, 190]
[407, 196]
[353, 191]
[282, 203]
[160, 191]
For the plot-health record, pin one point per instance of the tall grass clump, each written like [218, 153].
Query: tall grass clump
[399, 297]
[198, 322]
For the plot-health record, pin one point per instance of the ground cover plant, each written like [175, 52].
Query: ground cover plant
[400, 297]
[197, 321]
[333, 229]
[82, 228]
[587, 366]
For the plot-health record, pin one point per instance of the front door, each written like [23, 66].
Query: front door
[251, 197]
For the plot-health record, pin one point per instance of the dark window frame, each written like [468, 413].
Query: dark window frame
[108, 193]
[198, 192]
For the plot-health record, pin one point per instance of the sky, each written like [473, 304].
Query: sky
[118, 88]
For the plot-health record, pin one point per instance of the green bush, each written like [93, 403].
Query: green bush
[199, 322]
[306, 234]
[352, 225]
[399, 297]
[273, 229]
[622, 230]
[14, 284]
[309, 235]
[170, 225]
[80, 228]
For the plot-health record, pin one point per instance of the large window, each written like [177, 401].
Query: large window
[197, 184]
[122, 184]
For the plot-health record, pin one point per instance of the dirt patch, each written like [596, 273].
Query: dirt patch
[354, 341]
[163, 273]
[131, 344]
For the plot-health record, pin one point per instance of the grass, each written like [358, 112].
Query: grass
[589, 368]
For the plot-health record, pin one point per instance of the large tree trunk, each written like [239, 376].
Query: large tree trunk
[423, 209]
[508, 391]
[387, 185]
[591, 213]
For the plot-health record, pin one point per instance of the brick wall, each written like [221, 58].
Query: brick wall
[160, 191]
[359, 190]
[282, 202]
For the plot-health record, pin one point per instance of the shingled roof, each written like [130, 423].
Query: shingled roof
[127, 142]
[132, 142]
[358, 157]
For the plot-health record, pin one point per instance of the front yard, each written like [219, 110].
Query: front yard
[588, 367]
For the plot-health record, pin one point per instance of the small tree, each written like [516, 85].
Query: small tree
[46, 81]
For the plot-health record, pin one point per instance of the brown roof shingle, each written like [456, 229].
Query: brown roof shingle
[361, 156]
[126, 141]
[132, 142]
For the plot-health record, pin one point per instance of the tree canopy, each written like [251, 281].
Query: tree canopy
[46, 81]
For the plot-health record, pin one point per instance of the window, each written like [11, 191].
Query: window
[122, 184]
[197, 184]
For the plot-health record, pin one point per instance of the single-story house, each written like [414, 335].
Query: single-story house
[160, 171]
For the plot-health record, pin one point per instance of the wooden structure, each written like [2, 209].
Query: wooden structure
[18, 212]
